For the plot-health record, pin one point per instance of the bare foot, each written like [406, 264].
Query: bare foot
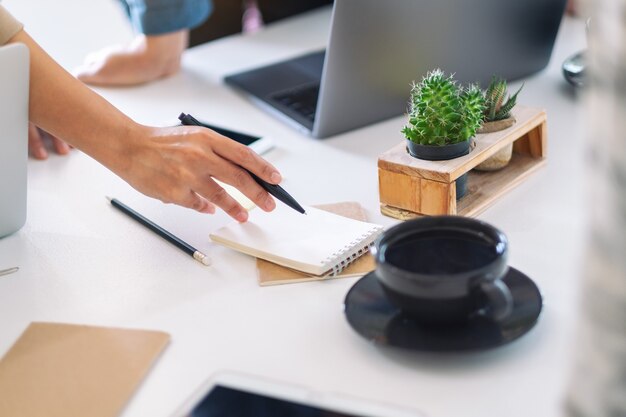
[146, 59]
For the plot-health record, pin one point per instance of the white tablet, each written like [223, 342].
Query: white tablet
[240, 395]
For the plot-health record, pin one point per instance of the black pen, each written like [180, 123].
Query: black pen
[275, 190]
[184, 246]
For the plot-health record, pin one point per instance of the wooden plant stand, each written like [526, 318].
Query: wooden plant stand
[411, 187]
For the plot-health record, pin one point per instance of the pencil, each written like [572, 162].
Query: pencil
[9, 271]
[274, 189]
[180, 244]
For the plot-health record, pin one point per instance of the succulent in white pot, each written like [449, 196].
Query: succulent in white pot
[497, 116]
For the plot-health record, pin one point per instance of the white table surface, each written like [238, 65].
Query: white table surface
[83, 262]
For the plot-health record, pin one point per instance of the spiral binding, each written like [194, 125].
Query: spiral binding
[339, 260]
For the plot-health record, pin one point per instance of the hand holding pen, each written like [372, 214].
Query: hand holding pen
[274, 189]
[179, 164]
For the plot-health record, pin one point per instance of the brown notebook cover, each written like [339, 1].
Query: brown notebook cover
[63, 370]
[269, 273]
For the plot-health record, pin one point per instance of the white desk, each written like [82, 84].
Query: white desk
[82, 262]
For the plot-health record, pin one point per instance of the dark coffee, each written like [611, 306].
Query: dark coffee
[440, 252]
[445, 269]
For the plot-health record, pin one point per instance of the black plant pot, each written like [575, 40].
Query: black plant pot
[442, 153]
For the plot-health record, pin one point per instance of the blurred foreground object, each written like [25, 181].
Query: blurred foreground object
[598, 383]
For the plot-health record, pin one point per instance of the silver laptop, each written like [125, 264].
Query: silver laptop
[377, 48]
[14, 69]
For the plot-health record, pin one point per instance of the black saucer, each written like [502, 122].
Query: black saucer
[372, 316]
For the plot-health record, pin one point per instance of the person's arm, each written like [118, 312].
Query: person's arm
[162, 28]
[175, 165]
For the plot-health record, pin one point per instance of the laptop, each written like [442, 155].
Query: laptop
[14, 70]
[376, 49]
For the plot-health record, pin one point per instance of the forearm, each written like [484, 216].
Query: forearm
[176, 165]
[68, 109]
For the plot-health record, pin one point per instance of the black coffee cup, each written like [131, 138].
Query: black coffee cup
[445, 269]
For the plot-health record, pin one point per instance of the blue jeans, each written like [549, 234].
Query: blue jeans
[155, 17]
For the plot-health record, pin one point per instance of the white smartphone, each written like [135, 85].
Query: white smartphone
[231, 394]
[258, 144]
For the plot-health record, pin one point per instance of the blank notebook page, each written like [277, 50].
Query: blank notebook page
[317, 243]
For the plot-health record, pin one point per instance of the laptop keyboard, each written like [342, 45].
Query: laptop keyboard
[302, 100]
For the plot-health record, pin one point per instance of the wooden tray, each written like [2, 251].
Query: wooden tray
[411, 187]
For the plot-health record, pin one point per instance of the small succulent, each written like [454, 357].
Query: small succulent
[442, 112]
[497, 105]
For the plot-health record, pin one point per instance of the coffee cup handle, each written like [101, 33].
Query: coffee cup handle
[500, 300]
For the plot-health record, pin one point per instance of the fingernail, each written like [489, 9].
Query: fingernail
[275, 177]
[242, 216]
[269, 204]
[41, 154]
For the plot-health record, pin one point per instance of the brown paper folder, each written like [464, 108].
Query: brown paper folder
[269, 273]
[62, 370]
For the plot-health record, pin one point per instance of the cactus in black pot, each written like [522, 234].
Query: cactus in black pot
[442, 112]
[443, 118]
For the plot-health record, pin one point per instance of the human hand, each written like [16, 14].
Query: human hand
[145, 59]
[179, 164]
[37, 146]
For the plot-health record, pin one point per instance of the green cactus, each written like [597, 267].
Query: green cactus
[442, 112]
[496, 108]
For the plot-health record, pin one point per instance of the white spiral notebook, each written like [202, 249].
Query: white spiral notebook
[318, 243]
